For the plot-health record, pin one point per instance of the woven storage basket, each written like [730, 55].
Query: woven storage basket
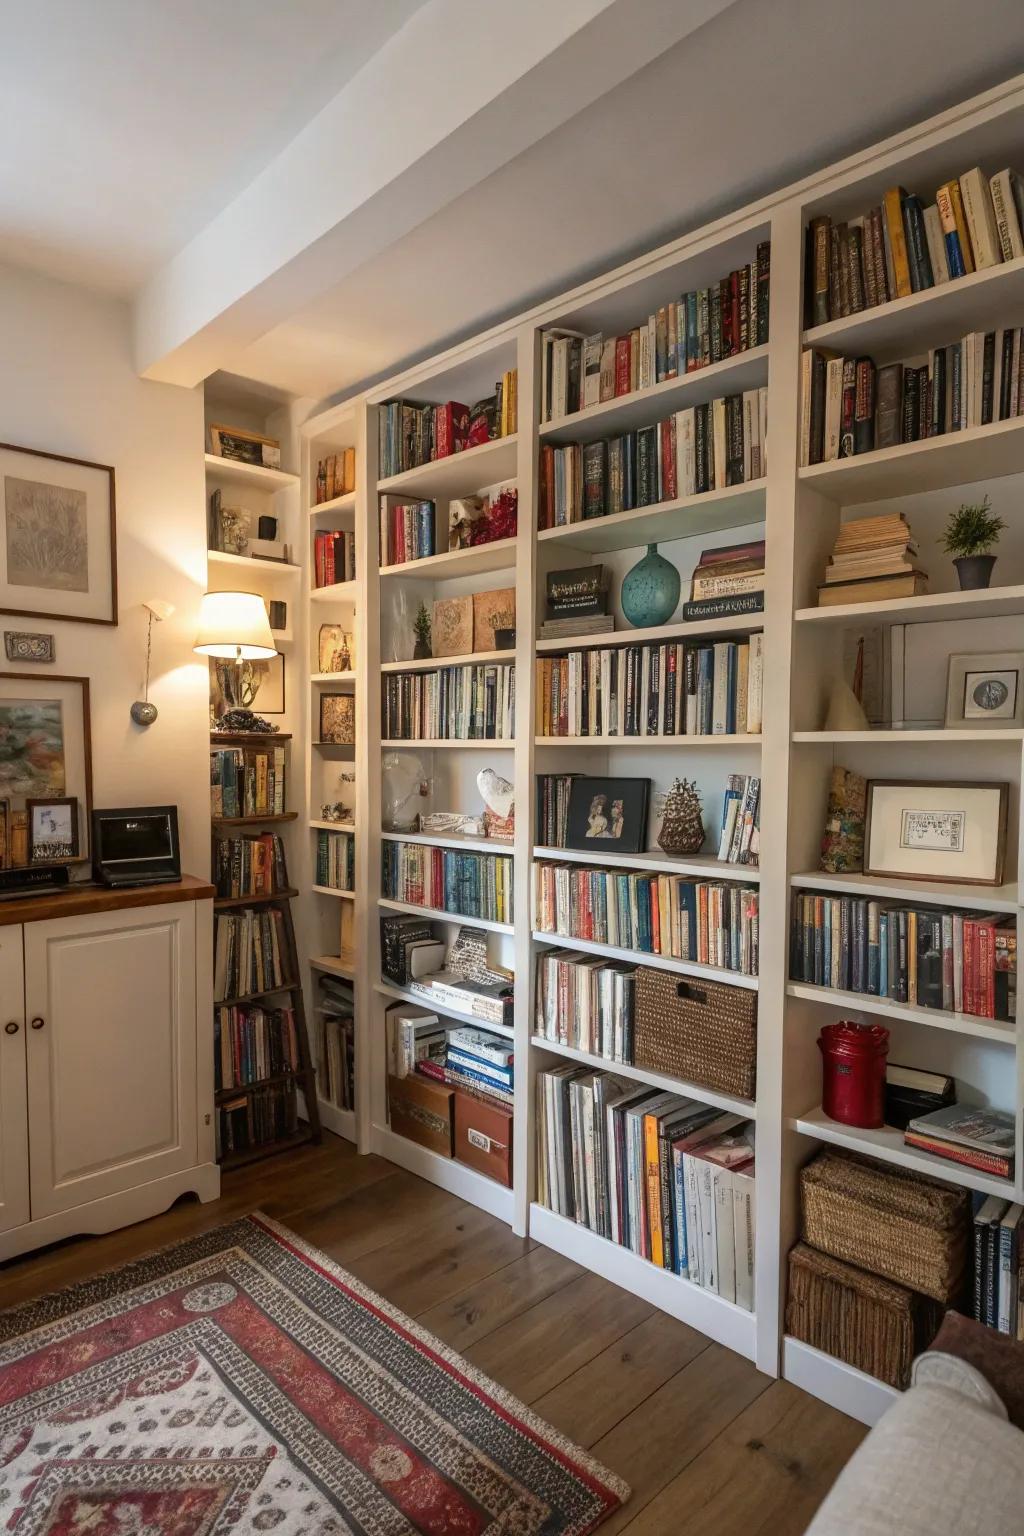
[870, 1323]
[701, 1031]
[894, 1223]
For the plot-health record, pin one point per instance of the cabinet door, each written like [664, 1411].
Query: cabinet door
[111, 1006]
[13, 1108]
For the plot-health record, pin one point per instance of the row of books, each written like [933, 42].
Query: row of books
[249, 953]
[334, 557]
[905, 246]
[407, 530]
[256, 1119]
[670, 689]
[252, 1043]
[664, 1176]
[465, 703]
[252, 865]
[973, 1136]
[460, 1055]
[334, 1041]
[587, 1003]
[244, 782]
[849, 406]
[475, 885]
[335, 475]
[703, 448]
[962, 962]
[998, 1250]
[335, 860]
[706, 922]
[703, 326]
[410, 435]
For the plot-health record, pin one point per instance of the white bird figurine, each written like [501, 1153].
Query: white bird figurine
[497, 793]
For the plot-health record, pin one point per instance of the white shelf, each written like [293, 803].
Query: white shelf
[344, 503]
[333, 826]
[943, 893]
[341, 1121]
[720, 1320]
[732, 507]
[443, 917]
[888, 1145]
[658, 634]
[335, 965]
[645, 742]
[988, 603]
[934, 317]
[642, 407]
[403, 995]
[329, 890]
[249, 476]
[499, 555]
[885, 737]
[429, 743]
[840, 1385]
[703, 865]
[957, 458]
[451, 840]
[641, 957]
[432, 663]
[334, 677]
[476, 1188]
[460, 474]
[338, 592]
[252, 564]
[884, 1008]
[660, 1080]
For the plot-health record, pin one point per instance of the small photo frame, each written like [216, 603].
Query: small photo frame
[52, 830]
[936, 831]
[985, 691]
[608, 815]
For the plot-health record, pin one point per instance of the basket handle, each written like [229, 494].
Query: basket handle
[687, 989]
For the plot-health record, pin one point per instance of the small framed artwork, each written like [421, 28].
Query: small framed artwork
[45, 757]
[52, 830]
[985, 691]
[936, 831]
[57, 537]
[608, 814]
[19, 645]
[337, 719]
[336, 649]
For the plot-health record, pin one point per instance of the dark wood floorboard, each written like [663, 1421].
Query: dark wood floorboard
[694, 1430]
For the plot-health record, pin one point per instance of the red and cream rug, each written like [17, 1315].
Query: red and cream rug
[241, 1382]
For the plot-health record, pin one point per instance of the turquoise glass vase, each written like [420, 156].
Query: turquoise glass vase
[650, 591]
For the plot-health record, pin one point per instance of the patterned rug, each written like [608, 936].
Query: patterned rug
[241, 1382]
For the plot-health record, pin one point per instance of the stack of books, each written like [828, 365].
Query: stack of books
[463, 703]
[739, 840]
[335, 860]
[471, 884]
[998, 1257]
[249, 866]
[247, 782]
[407, 530]
[586, 1002]
[874, 559]
[257, 1118]
[334, 557]
[249, 953]
[489, 1001]
[910, 1092]
[573, 629]
[664, 1176]
[476, 1060]
[727, 581]
[704, 326]
[976, 1138]
[250, 1044]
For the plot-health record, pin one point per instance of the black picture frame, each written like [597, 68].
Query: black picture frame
[633, 796]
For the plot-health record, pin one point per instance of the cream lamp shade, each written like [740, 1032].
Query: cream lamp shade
[235, 625]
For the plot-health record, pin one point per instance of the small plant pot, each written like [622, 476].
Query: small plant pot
[504, 639]
[421, 651]
[974, 571]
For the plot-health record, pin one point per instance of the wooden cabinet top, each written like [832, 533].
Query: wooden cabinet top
[76, 901]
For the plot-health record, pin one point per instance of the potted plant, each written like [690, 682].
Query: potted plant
[421, 629]
[971, 532]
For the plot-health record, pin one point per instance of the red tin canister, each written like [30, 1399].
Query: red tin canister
[853, 1072]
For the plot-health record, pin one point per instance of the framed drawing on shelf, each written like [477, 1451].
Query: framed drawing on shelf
[337, 719]
[45, 757]
[936, 831]
[607, 815]
[985, 691]
[52, 830]
[58, 537]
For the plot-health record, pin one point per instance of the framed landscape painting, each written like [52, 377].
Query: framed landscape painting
[58, 543]
[45, 756]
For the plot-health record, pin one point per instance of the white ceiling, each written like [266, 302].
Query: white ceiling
[129, 123]
[762, 94]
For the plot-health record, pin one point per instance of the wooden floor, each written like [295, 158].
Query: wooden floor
[691, 1427]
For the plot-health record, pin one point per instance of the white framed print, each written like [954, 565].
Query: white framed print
[58, 538]
[985, 691]
[936, 831]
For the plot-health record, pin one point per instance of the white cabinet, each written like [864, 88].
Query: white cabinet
[106, 1101]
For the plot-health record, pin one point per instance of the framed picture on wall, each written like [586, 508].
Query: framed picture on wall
[45, 758]
[58, 539]
[936, 831]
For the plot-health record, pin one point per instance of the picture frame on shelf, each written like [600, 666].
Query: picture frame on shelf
[47, 754]
[985, 691]
[336, 649]
[607, 815]
[337, 719]
[941, 830]
[53, 830]
[58, 533]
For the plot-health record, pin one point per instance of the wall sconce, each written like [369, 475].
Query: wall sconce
[142, 711]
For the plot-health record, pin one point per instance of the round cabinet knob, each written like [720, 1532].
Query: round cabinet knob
[38, 1023]
[11, 1028]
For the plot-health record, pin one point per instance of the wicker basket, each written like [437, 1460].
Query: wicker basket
[870, 1323]
[897, 1224]
[704, 1032]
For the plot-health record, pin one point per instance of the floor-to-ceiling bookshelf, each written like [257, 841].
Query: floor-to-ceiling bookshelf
[799, 511]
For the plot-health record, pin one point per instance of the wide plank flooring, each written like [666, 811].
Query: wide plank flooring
[694, 1430]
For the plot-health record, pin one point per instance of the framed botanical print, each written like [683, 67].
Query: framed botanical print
[45, 757]
[58, 540]
[936, 831]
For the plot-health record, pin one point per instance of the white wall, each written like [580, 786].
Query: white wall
[68, 385]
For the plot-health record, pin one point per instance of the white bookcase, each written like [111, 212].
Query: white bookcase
[799, 511]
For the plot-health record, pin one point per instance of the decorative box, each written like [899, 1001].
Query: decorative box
[703, 1032]
[422, 1112]
[483, 1136]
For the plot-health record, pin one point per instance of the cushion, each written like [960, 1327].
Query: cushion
[999, 1358]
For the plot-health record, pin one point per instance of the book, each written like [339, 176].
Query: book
[979, 1138]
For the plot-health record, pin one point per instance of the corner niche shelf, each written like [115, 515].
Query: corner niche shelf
[249, 476]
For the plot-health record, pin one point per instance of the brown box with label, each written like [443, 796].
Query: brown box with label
[483, 1136]
[422, 1111]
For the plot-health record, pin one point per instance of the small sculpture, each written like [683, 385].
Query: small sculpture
[682, 827]
[498, 796]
